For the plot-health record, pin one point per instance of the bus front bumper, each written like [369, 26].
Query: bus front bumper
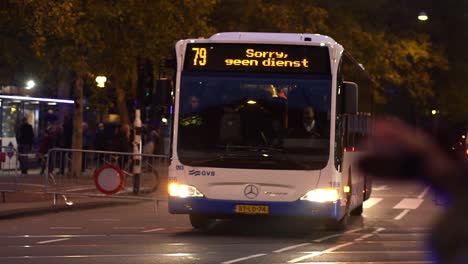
[226, 208]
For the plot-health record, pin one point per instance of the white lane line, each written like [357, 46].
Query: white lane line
[52, 241]
[153, 230]
[318, 253]
[381, 188]
[402, 214]
[371, 202]
[423, 193]
[318, 240]
[105, 220]
[80, 189]
[371, 234]
[380, 229]
[242, 259]
[363, 237]
[291, 247]
[66, 228]
[127, 227]
[82, 256]
[408, 203]
[353, 230]
[31, 184]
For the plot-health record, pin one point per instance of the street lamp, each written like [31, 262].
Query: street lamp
[30, 84]
[423, 16]
[101, 81]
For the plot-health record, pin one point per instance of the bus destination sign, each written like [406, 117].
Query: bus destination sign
[223, 57]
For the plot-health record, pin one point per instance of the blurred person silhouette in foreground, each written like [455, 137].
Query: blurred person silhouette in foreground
[398, 150]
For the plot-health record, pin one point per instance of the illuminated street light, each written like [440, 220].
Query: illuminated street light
[101, 81]
[423, 16]
[434, 112]
[30, 84]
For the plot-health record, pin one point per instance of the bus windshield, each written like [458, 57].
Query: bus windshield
[246, 120]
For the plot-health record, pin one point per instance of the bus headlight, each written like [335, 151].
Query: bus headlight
[183, 191]
[321, 195]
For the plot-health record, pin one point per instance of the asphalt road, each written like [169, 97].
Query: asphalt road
[393, 228]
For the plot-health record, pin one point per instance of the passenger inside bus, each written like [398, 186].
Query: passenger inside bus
[230, 123]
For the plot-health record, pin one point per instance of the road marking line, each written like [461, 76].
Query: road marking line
[364, 237]
[371, 234]
[31, 184]
[335, 235]
[408, 203]
[371, 202]
[128, 227]
[65, 227]
[423, 193]
[80, 189]
[105, 219]
[318, 240]
[52, 241]
[242, 259]
[291, 247]
[380, 229]
[153, 230]
[402, 214]
[353, 230]
[381, 188]
[319, 252]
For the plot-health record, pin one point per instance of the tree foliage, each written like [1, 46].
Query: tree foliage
[269, 16]
[109, 36]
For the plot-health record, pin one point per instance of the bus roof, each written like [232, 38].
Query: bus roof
[286, 37]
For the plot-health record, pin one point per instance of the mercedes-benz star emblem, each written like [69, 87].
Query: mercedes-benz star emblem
[251, 191]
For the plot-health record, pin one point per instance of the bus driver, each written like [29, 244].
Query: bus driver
[309, 127]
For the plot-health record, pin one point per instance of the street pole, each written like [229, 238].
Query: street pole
[137, 152]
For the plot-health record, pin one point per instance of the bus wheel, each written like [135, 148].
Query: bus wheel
[338, 225]
[357, 210]
[199, 221]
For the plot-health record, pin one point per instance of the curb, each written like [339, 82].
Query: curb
[18, 213]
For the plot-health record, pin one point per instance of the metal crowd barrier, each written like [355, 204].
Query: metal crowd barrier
[77, 172]
[9, 173]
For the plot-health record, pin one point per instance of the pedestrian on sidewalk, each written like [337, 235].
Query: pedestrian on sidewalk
[123, 143]
[100, 139]
[47, 142]
[66, 143]
[25, 138]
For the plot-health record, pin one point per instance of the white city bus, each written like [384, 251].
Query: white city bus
[240, 143]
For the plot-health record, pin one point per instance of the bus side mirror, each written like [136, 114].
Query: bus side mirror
[350, 97]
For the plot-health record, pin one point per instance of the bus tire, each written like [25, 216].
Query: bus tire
[199, 221]
[357, 211]
[338, 225]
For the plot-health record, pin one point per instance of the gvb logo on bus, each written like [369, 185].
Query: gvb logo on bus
[201, 173]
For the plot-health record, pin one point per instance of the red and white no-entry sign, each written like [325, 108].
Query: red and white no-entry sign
[109, 179]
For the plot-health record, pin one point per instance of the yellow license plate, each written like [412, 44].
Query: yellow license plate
[252, 209]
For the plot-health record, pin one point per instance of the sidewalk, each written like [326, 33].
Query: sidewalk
[28, 197]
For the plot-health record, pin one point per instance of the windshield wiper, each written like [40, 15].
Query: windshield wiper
[230, 148]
